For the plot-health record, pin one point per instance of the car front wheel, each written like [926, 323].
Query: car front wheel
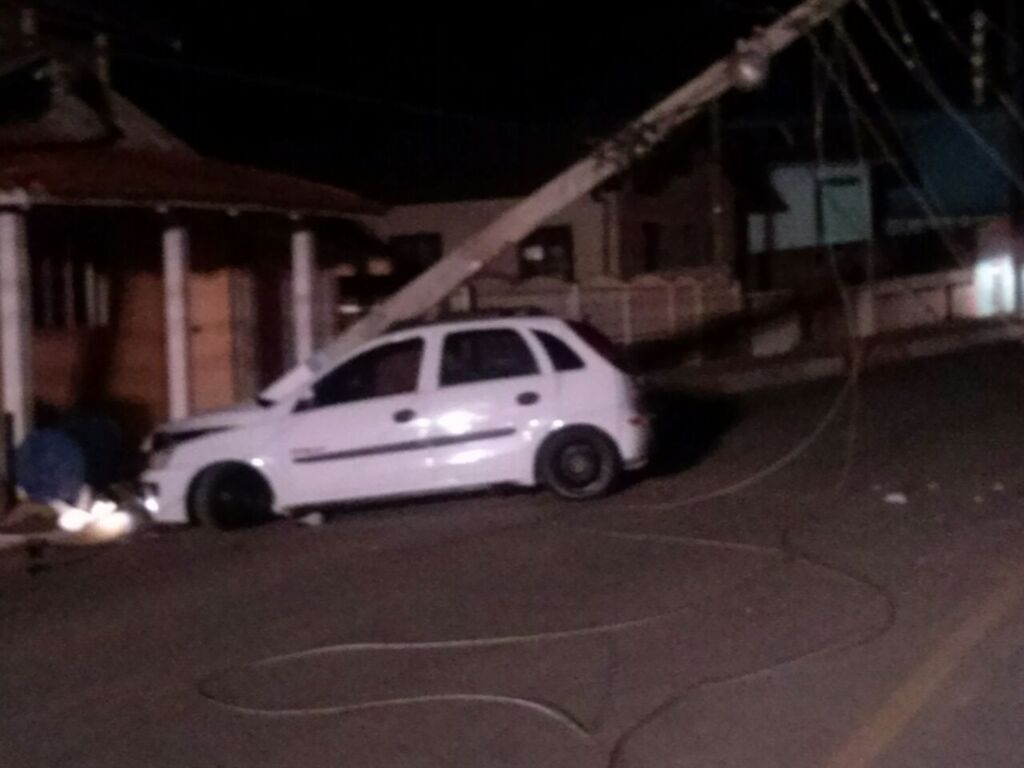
[230, 496]
[579, 463]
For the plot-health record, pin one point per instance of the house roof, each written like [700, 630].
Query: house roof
[111, 176]
[73, 140]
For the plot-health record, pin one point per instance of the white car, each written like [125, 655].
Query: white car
[431, 408]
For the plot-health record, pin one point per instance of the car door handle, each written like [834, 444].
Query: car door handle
[404, 415]
[528, 398]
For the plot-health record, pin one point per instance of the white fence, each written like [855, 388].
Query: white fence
[648, 308]
[656, 307]
[892, 306]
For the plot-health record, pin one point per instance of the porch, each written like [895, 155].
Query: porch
[158, 284]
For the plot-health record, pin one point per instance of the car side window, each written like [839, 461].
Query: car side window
[390, 369]
[561, 354]
[472, 356]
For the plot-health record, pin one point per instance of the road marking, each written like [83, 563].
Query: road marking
[918, 688]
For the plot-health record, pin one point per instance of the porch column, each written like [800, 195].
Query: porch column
[175, 260]
[303, 271]
[16, 322]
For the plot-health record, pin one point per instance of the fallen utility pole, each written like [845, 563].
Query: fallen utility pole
[742, 68]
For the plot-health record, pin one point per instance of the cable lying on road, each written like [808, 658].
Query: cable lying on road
[849, 388]
[785, 554]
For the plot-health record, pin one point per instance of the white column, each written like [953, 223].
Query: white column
[16, 321]
[303, 271]
[176, 258]
[90, 295]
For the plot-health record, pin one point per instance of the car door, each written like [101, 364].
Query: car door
[492, 402]
[357, 436]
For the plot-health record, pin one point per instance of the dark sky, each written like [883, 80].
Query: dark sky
[411, 103]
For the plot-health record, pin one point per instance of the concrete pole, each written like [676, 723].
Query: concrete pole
[176, 268]
[303, 271]
[16, 322]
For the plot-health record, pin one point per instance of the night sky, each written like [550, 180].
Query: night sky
[416, 104]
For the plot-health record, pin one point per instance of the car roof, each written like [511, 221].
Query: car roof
[517, 317]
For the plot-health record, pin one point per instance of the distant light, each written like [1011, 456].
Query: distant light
[151, 504]
[533, 253]
[994, 289]
[258, 463]
[557, 424]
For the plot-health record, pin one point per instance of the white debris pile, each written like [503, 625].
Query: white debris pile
[102, 519]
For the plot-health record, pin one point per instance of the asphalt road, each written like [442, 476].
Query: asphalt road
[800, 620]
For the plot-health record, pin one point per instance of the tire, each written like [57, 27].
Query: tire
[579, 463]
[231, 496]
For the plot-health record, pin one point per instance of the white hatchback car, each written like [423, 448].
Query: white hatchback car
[431, 408]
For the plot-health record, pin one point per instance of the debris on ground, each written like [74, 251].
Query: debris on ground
[933, 486]
[313, 520]
[998, 488]
[896, 498]
[979, 499]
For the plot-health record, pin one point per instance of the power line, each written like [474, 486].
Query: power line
[309, 89]
[915, 65]
[1004, 98]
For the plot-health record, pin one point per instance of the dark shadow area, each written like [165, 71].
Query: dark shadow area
[686, 428]
[400, 505]
[729, 337]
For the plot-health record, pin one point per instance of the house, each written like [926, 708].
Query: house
[922, 244]
[671, 218]
[881, 221]
[137, 275]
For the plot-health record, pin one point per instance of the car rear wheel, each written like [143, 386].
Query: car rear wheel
[579, 463]
[231, 496]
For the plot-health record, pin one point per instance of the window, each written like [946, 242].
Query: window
[69, 294]
[391, 369]
[653, 259]
[548, 252]
[416, 252]
[471, 356]
[561, 355]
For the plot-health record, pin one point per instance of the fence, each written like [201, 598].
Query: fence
[648, 308]
[889, 306]
[656, 307]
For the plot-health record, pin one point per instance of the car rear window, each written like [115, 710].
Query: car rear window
[598, 342]
[561, 355]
